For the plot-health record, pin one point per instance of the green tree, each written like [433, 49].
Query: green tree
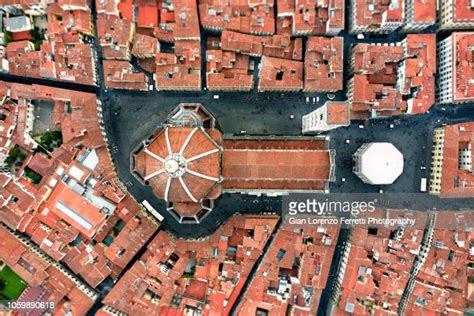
[38, 37]
[7, 37]
[33, 176]
[51, 140]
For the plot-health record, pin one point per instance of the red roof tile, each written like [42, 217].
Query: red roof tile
[280, 46]
[121, 75]
[15, 200]
[323, 65]
[456, 180]
[374, 89]
[55, 229]
[463, 11]
[55, 285]
[163, 273]
[280, 75]
[147, 16]
[228, 71]
[181, 70]
[318, 17]
[463, 66]
[187, 20]
[181, 164]
[424, 11]
[307, 263]
[378, 269]
[291, 165]
[145, 46]
[375, 14]
[115, 36]
[338, 113]
[241, 16]
[75, 210]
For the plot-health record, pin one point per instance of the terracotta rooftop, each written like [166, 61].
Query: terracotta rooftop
[121, 75]
[23, 60]
[242, 16]
[306, 263]
[145, 46]
[147, 16]
[8, 120]
[74, 60]
[338, 113]
[323, 64]
[384, 100]
[197, 290]
[181, 164]
[419, 72]
[424, 11]
[457, 180]
[136, 232]
[463, 11]
[53, 284]
[167, 20]
[280, 75]
[162, 281]
[115, 36]
[62, 55]
[107, 7]
[426, 298]
[372, 59]
[87, 202]
[275, 165]
[442, 283]
[181, 70]
[242, 43]
[126, 9]
[280, 46]
[15, 201]
[378, 269]
[227, 70]
[75, 210]
[186, 25]
[318, 17]
[380, 87]
[89, 263]
[63, 19]
[463, 66]
[284, 17]
[375, 13]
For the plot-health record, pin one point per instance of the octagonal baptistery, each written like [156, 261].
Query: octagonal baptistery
[181, 162]
[378, 163]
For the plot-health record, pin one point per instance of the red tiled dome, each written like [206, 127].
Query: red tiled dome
[182, 164]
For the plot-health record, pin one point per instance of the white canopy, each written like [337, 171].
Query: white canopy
[379, 163]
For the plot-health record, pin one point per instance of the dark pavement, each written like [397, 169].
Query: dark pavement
[130, 117]
[412, 135]
[50, 83]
